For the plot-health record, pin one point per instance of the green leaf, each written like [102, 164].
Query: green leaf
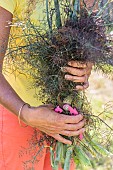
[81, 156]
[76, 160]
[68, 158]
[101, 150]
[63, 154]
[58, 155]
[58, 15]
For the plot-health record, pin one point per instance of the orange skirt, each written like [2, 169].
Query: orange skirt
[18, 146]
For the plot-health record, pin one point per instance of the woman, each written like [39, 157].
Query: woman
[14, 95]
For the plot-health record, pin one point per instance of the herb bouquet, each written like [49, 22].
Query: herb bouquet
[77, 31]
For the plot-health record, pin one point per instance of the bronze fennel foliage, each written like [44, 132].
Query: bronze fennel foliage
[81, 33]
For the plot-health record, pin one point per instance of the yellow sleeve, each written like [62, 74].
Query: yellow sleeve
[9, 5]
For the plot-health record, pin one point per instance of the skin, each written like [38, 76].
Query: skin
[42, 117]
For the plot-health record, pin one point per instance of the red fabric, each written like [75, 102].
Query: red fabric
[16, 149]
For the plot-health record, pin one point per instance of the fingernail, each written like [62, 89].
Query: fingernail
[69, 63]
[67, 76]
[77, 88]
[83, 130]
[70, 143]
[63, 69]
[85, 65]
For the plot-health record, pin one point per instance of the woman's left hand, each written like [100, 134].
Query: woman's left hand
[78, 72]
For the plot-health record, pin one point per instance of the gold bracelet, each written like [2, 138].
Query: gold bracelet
[19, 114]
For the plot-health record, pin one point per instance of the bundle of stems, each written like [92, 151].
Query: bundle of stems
[76, 31]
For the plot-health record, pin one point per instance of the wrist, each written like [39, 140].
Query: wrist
[24, 113]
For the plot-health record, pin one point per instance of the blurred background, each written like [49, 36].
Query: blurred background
[100, 92]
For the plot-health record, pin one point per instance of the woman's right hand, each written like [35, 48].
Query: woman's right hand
[54, 124]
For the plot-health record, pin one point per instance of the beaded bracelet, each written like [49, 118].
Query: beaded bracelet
[19, 114]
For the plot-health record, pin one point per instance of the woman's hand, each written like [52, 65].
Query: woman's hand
[54, 124]
[79, 73]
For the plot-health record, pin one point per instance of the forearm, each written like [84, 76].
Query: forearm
[8, 96]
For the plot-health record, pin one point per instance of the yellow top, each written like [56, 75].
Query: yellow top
[8, 5]
[22, 83]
